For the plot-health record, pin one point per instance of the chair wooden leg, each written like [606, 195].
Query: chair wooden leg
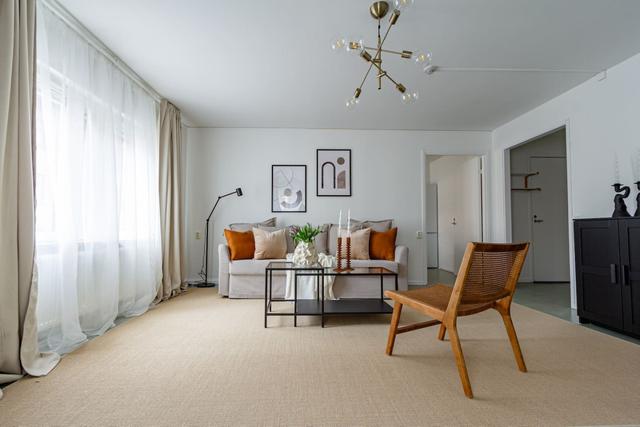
[462, 367]
[393, 327]
[442, 332]
[513, 338]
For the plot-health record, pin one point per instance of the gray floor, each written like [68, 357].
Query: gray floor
[550, 298]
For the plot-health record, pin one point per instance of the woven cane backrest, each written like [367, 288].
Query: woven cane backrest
[492, 272]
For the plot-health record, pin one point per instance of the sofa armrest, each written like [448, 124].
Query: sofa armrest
[223, 270]
[402, 258]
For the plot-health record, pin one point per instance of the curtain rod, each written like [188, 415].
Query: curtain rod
[77, 26]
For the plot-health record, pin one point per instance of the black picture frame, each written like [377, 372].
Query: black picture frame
[319, 168]
[273, 169]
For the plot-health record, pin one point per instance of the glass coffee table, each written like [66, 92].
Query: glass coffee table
[320, 306]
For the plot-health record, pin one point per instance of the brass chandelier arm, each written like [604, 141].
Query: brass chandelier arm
[365, 76]
[404, 53]
[384, 73]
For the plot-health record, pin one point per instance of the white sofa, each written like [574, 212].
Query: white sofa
[245, 278]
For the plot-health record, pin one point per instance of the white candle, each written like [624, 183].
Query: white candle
[616, 169]
[339, 222]
[349, 223]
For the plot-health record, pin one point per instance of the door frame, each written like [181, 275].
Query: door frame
[424, 174]
[506, 158]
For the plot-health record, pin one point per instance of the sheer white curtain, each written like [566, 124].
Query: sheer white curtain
[98, 247]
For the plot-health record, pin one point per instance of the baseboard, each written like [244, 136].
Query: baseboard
[416, 283]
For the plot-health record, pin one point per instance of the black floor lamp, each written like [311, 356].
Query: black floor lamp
[205, 280]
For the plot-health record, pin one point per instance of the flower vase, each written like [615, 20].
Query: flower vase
[305, 254]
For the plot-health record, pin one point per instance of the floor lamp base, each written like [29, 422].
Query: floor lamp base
[202, 284]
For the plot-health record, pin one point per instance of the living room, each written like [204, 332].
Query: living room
[237, 213]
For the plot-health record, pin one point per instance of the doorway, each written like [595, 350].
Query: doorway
[539, 214]
[454, 193]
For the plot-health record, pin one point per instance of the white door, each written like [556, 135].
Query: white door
[550, 220]
[432, 225]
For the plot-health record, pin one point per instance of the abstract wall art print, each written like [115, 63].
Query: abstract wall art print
[333, 173]
[288, 188]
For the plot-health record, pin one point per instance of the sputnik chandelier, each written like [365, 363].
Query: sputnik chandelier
[373, 55]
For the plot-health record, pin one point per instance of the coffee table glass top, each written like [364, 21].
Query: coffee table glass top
[288, 265]
[355, 271]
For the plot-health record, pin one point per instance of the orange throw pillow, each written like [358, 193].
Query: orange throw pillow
[241, 244]
[382, 245]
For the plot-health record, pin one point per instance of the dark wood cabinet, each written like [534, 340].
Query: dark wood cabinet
[608, 272]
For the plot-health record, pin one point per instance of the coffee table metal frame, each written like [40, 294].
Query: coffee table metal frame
[318, 306]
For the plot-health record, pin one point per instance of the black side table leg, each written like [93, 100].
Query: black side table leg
[266, 301]
[295, 299]
[322, 301]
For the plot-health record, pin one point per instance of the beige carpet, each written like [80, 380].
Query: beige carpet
[203, 360]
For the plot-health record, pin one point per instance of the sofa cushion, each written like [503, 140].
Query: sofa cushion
[390, 265]
[247, 226]
[359, 244]
[382, 225]
[252, 267]
[382, 245]
[241, 244]
[333, 234]
[270, 244]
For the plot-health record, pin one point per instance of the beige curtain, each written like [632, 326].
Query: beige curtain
[171, 202]
[18, 278]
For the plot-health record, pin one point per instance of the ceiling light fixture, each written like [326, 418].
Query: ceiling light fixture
[373, 55]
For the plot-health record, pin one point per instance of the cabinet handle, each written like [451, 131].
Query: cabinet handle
[613, 270]
[625, 275]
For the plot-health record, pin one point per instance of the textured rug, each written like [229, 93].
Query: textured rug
[203, 360]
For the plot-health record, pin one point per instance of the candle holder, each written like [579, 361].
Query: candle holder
[620, 210]
[637, 201]
[339, 267]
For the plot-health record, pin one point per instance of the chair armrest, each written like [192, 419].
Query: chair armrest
[223, 269]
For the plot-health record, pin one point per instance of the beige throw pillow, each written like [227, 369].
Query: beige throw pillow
[359, 244]
[270, 245]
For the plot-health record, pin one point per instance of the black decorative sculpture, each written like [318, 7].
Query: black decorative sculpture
[638, 201]
[618, 201]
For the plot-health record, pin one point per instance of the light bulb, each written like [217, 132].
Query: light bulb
[338, 45]
[355, 46]
[422, 59]
[351, 103]
[401, 5]
[409, 97]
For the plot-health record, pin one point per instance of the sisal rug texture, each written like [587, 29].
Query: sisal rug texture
[203, 360]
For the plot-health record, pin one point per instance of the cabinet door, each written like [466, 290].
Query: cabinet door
[598, 276]
[629, 230]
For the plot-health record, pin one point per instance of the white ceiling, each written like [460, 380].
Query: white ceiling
[266, 63]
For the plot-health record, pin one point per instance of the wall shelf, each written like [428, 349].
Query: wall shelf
[526, 176]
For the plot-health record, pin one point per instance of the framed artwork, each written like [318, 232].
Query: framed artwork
[333, 173]
[288, 188]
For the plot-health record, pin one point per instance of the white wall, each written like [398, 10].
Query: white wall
[602, 118]
[387, 179]
[458, 181]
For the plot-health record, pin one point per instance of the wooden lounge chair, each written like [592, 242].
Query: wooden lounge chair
[487, 279]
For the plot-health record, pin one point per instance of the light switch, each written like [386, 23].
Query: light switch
[198, 236]
[418, 234]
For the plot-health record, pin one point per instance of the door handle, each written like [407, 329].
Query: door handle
[625, 275]
[613, 271]
[535, 219]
